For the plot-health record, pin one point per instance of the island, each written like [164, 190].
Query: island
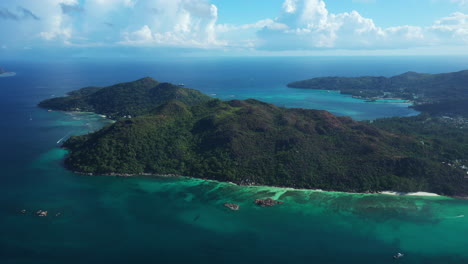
[165, 129]
[4, 73]
[441, 94]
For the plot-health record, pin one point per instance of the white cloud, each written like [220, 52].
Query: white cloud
[268, 23]
[301, 25]
[238, 36]
[58, 28]
[113, 3]
[142, 35]
[181, 23]
[309, 25]
[289, 6]
[49, 22]
[451, 29]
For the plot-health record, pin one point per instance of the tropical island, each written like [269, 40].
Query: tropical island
[165, 129]
[440, 94]
[4, 73]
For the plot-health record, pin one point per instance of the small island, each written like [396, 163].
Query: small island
[166, 129]
[440, 94]
[4, 73]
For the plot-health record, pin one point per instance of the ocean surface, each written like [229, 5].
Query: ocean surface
[99, 219]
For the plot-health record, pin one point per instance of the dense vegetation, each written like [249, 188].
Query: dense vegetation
[447, 137]
[184, 132]
[124, 99]
[180, 131]
[433, 93]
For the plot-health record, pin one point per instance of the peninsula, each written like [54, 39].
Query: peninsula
[440, 94]
[164, 129]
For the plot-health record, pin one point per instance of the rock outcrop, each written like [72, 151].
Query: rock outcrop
[232, 206]
[267, 202]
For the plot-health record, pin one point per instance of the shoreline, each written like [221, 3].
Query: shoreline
[154, 175]
[145, 174]
[392, 100]
[427, 194]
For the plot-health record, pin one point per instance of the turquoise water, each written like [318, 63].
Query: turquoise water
[182, 220]
[343, 105]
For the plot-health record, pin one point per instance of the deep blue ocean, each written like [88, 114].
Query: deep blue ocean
[180, 220]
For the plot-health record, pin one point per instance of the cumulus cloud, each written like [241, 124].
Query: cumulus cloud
[451, 29]
[309, 25]
[58, 30]
[300, 25]
[182, 23]
[59, 25]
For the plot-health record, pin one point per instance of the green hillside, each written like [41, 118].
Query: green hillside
[179, 131]
[250, 142]
[124, 99]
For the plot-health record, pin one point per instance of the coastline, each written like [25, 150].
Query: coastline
[383, 100]
[155, 175]
[241, 183]
[428, 194]
[392, 100]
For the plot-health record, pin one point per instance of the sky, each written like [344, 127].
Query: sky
[88, 28]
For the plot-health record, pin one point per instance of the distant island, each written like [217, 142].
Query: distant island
[441, 94]
[4, 73]
[165, 129]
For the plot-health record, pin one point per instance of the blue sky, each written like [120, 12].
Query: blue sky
[233, 27]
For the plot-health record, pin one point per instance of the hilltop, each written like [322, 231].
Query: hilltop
[124, 99]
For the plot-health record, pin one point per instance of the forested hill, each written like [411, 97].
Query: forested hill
[444, 93]
[124, 99]
[251, 142]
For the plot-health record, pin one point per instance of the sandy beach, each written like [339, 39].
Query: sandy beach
[411, 194]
